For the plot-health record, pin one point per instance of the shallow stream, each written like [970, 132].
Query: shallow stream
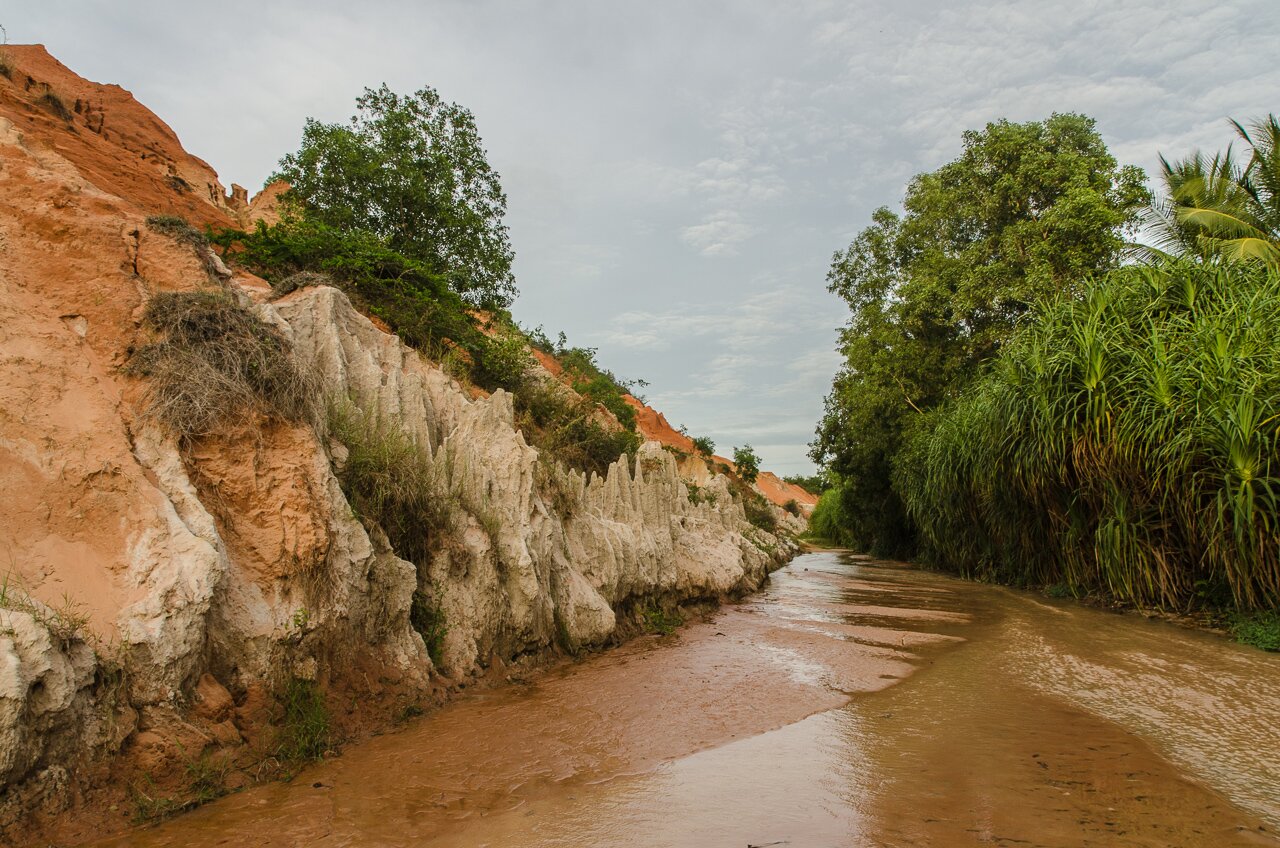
[851, 703]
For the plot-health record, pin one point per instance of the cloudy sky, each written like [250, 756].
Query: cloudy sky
[680, 173]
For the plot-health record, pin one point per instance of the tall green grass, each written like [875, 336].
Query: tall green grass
[1122, 442]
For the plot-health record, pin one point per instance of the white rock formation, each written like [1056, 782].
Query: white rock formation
[254, 567]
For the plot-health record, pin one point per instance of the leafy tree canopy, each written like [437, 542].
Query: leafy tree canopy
[1027, 211]
[410, 170]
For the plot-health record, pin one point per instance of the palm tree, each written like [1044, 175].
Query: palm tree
[1218, 207]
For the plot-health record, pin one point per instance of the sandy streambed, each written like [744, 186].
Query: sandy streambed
[851, 703]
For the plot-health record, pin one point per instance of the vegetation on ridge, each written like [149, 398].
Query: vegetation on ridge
[401, 211]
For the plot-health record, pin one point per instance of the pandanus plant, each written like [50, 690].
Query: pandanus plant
[1127, 442]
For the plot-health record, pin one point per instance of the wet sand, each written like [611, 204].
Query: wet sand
[851, 703]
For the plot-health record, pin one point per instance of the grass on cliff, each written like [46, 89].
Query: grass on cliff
[206, 780]
[52, 102]
[390, 481]
[213, 365]
[67, 623]
[657, 620]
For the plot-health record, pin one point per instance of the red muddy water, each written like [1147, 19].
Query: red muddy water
[851, 703]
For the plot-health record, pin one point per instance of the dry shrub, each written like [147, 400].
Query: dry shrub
[215, 365]
[50, 100]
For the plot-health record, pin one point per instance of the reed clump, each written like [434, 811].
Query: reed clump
[1124, 442]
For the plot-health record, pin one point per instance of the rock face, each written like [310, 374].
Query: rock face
[157, 593]
[529, 568]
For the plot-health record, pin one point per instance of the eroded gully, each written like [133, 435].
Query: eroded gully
[851, 703]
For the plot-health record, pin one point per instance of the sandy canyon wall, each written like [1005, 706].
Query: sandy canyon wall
[159, 594]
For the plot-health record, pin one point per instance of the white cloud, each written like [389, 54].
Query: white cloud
[719, 234]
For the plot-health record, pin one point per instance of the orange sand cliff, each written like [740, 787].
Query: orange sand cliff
[654, 427]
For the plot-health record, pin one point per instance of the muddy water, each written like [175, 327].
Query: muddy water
[850, 704]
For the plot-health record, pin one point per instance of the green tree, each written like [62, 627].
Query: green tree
[1216, 206]
[704, 445]
[814, 484]
[410, 170]
[747, 462]
[1028, 211]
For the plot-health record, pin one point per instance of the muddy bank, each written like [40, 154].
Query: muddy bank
[849, 703]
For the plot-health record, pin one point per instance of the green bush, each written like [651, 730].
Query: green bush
[415, 301]
[1126, 442]
[814, 484]
[215, 364]
[504, 362]
[747, 463]
[657, 620]
[563, 424]
[760, 512]
[704, 445]
[830, 521]
[599, 384]
[427, 314]
[699, 495]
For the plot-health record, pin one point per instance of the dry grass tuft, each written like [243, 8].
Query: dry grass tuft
[215, 365]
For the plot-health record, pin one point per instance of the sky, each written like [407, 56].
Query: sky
[679, 174]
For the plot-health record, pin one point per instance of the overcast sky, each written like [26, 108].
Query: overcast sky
[679, 174]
